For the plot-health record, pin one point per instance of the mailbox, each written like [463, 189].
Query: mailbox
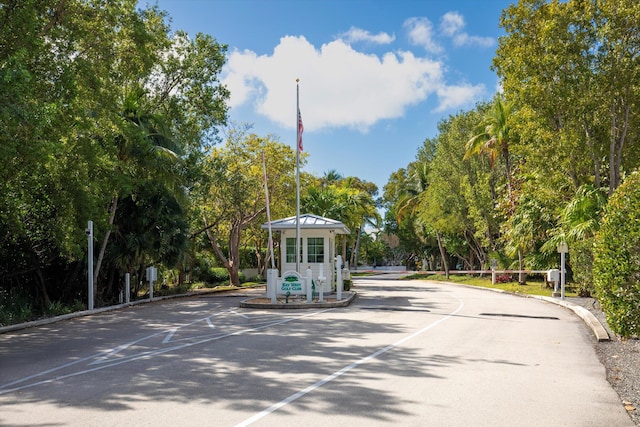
[553, 275]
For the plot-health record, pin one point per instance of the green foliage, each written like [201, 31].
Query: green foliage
[15, 307]
[99, 103]
[229, 203]
[206, 271]
[57, 308]
[581, 255]
[616, 264]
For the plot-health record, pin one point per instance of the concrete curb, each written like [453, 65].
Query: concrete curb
[299, 305]
[587, 317]
[55, 319]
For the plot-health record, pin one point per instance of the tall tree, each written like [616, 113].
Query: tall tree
[63, 69]
[571, 67]
[493, 135]
[233, 197]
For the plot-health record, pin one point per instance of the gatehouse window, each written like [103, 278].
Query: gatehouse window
[291, 250]
[315, 249]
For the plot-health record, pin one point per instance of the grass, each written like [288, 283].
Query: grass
[532, 287]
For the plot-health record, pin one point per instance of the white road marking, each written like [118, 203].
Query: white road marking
[169, 335]
[344, 370]
[105, 363]
[239, 314]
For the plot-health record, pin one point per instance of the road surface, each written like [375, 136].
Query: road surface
[409, 353]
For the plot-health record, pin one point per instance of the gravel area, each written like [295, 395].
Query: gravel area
[621, 358]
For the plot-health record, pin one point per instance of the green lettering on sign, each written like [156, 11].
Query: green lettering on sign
[291, 286]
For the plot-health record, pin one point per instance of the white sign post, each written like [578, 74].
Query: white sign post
[152, 275]
[563, 248]
[321, 280]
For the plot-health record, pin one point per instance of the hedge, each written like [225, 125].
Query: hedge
[616, 264]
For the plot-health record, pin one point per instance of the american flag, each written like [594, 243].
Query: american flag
[300, 130]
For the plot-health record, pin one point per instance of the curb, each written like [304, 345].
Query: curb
[299, 306]
[84, 313]
[588, 318]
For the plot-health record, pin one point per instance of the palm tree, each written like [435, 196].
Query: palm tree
[491, 138]
[580, 221]
[493, 135]
[145, 151]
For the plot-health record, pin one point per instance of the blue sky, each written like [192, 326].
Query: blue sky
[376, 76]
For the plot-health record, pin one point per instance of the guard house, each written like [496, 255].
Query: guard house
[318, 242]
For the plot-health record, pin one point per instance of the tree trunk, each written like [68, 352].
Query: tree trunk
[44, 296]
[96, 270]
[445, 264]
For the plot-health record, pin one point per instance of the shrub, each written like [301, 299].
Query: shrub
[503, 278]
[616, 264]
[581, 254]
[217, 275]
[15, 307]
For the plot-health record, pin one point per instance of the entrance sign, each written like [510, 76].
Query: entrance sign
[291, 283]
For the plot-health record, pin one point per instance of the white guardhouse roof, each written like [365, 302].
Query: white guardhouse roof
[309, 222]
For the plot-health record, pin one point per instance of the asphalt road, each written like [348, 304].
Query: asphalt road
[405, 352]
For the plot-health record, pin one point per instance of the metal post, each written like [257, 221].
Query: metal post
[89, 232]
[562, 275]
[339, 278]
[127, 288]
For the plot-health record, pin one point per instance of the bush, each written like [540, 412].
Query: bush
[15, 307]
[581, 254]
[503, 278]
[616, 264]
[217, 275]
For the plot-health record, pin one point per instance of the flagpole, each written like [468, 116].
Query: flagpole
[298, 175]
[266, 196]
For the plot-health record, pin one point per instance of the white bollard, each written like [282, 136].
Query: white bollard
[152, 275]
[321, 280]
[272, 283]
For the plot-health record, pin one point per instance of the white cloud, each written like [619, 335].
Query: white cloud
[420, 33]
[339, 86]
[452, 97]
[359, 35]
[452, 25]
